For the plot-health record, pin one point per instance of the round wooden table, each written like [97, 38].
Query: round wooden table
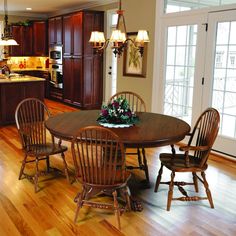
[153, 130]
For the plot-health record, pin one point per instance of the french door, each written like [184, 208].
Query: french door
[199, 70]
[220, 76]
[183, 67]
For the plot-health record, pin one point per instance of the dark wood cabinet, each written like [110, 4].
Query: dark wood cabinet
[32, 39]
[40, 38]
[24, 37]
[40, 74]
[72, 34]
[67, 35]
[72, 87]
[11, 94]
[55, 30]
[82, 70]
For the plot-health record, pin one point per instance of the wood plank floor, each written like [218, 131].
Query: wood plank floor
[51, 211]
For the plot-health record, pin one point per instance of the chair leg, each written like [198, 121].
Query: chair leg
[195, 181]
[79, 203]
[116, 208]
[65, 167]
[208, 192]
[127, 196]
[145, 165]
[158, 178]
[22, 167]
[170, 193]
[48, 164]
[36, 176]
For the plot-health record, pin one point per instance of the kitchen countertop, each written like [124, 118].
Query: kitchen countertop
[19, 79]
[30, 69]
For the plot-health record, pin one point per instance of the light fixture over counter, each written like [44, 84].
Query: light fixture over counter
[118, 38]
[7, 39]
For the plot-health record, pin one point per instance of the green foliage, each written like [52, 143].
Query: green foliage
[117, 112]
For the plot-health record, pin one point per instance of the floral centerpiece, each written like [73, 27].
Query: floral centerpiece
[117, 112]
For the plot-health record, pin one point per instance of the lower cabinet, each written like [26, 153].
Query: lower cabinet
[40, 74]
[72, 77]
[11, 94]
[82, 78]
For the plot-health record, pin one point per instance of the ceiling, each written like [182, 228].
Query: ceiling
[47, 7]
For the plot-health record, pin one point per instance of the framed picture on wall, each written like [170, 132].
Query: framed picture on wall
[134, 65]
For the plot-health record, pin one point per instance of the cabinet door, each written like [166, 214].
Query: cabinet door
[67, 34]
[97, 81]
[51, 31]
[17, 33]
[88, 22]
[40, 38]
[77, 81]
[27, 41]
[77, 34]
[68, 80]
[58, 27]
[88, 82]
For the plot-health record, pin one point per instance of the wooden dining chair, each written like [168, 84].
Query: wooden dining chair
[30, 117]
[137, 104]
[194, 159]
[99, 161]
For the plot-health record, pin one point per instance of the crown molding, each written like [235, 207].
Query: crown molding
[82, 7]
[34, 15]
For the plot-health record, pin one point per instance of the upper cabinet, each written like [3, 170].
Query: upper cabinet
[32, 39]
[72, 34]
[24, 37]
[93, 21]
[55, 30]
[40, 38]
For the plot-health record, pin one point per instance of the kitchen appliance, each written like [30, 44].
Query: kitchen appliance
[56, 72]
[55, 65]
[55, 54]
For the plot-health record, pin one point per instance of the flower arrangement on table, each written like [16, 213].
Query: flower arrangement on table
[117, 112]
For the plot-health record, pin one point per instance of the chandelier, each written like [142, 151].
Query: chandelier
[118, 38]
[7, 38]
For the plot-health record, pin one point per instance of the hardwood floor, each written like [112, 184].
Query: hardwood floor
[51, 211]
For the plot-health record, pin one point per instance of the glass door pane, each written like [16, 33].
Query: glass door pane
[224, 77]
[220, 87]
[179, 71]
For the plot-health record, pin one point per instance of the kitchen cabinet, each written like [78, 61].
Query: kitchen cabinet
[24, 37]
[12, 93]
[72, 34]
[55, 30]
[82, 70]
[40, 38]
[72, 87]
[44, 74]
[32, 39]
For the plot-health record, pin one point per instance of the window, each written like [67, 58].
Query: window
[186, 5]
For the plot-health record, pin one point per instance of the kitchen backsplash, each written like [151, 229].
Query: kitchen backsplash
[22, 63]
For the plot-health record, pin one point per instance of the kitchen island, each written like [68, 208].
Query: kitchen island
[15, 89]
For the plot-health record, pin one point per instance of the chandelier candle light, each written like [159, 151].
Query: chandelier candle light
[118, 37]
[7, 39]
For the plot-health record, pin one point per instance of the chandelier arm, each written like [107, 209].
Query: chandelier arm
[101, 48]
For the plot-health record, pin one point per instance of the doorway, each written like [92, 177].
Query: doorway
[111, 60]
[199, 70]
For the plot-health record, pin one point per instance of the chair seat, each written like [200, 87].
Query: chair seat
[177, 163]
[105, 172]
[45, 149]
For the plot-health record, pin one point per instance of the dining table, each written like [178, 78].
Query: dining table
[152, 130]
